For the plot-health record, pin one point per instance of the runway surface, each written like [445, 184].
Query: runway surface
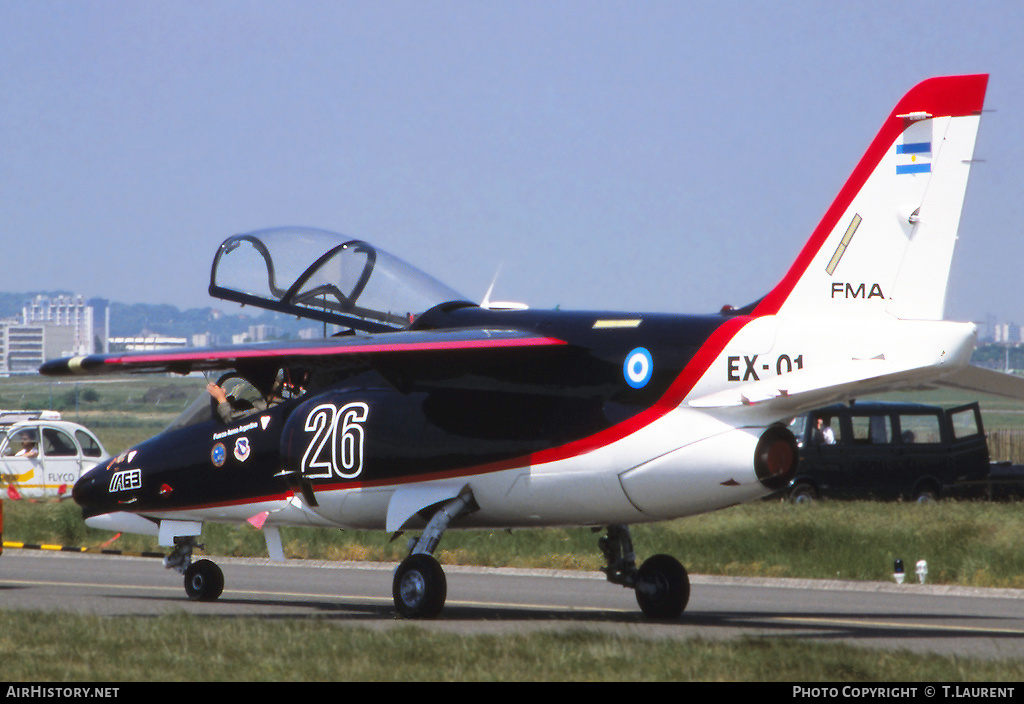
[985, 623]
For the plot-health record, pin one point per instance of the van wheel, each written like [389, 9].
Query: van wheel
[803, 493]
[926, 494]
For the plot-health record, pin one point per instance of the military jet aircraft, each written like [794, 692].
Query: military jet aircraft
[426, 412]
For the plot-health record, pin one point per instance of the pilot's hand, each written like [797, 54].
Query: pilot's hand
[217, 392]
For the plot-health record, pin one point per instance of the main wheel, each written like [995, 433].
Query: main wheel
[420, 587]
[662, 587]
[204, 581]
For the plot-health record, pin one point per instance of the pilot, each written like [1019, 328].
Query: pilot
[229, 412]
[292, 382]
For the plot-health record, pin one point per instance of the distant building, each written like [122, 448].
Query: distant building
[83, 329]
[21, 347]
[51, 327]
[146, 342]
[205, 339]
[1007, 333]
[261, 333]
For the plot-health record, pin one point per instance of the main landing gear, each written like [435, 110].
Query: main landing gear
[204, 580]
[419, 587]
[661, 584]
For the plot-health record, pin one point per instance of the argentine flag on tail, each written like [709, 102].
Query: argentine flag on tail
[914, 151]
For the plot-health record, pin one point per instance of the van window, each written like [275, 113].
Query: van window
[919, 429]
[57, 443]
[22, 440]
[965, 423]
[872, 430]
[90, 447]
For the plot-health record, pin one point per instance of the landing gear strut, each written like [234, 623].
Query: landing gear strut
[661, 584]
[204, 580]
[419, 587]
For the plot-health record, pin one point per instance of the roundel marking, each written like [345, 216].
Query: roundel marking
[638, 368]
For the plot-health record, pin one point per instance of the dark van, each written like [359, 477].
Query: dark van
[888, 451]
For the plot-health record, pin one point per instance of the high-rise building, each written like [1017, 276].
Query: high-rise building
[64, 312]
[51, 327]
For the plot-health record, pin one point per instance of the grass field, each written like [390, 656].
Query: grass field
[187, 648]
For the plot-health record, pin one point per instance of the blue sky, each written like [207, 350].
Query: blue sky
[647, 155]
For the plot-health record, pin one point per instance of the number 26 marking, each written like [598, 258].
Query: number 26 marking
[336, 448]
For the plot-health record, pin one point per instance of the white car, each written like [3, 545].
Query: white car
[42, 456]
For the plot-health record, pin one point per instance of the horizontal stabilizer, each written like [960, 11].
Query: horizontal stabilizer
[986, 381]
[804, 390]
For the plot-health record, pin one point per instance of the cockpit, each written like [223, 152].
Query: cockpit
[322, 276]
[313, 274]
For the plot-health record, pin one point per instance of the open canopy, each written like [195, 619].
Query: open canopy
[322, 275]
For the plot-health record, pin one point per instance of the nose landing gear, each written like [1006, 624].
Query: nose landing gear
[204, 580]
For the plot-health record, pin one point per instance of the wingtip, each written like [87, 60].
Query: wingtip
[67, 366]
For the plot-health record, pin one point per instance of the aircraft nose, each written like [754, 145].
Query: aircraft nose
[90, 491]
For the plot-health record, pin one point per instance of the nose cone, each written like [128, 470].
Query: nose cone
[91, 492]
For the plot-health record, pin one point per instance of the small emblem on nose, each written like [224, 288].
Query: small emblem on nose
[242, 449]
[218, 455]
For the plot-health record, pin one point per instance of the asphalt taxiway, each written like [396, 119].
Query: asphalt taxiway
[983, 623]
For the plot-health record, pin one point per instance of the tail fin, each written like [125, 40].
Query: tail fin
[885, 244]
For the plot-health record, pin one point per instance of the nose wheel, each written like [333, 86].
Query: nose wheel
[204, 580]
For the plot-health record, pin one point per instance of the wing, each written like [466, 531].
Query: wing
[339, 350]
